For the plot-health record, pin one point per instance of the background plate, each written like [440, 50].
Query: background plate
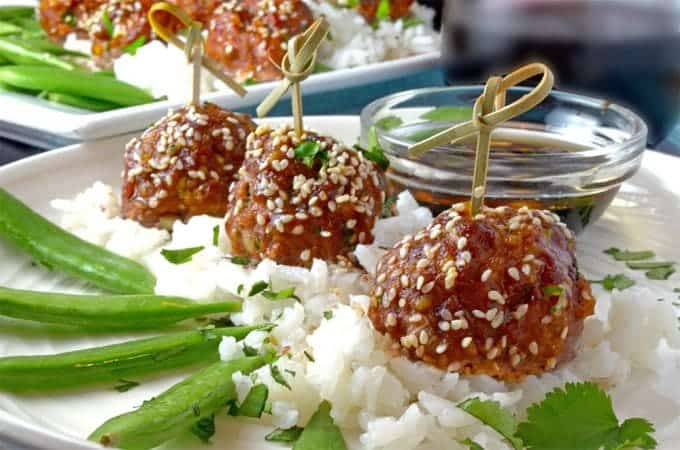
[645, 215]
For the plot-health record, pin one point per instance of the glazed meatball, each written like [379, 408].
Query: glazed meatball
[199, 10]
[183, 165]
[398, 9]
[61, 17]
[117, 24]
[497, 294]
[293, 210]
[244, 35]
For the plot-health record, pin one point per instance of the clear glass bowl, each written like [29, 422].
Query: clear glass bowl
[570, 154]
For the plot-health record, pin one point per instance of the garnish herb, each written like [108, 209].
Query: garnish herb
[448, 114]
[216, 235]
[309, 356]
[68, 18]
[249, 351]
[108, 26]
[553, 289]
[383, 11]
[289, 435]
[125, 385]
[649, 265]
[308, 151]
[133, 46]
[411, 22]
[250, 82]
[239, 289]
[254, 403]
[492, 414]
[321, 432]
[374, 152]
[321, 67]
[581, 416]
[627, 255]
[660, 273]
[204, 428]
[472, 445]
[388, 122]
[240, 260]
[281, 295]
[386, 212]
[278, 376]
[257, 288]
[182, 255]
[618, 281]
[328, 315]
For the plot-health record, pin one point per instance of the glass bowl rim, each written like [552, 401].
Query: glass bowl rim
[637, 139]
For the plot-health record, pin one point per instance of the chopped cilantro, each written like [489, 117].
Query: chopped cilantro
[204, 428]
[249, 351]
[69, 18]
[387, 210]
[581, 416]
[472, 445]
[239, 289]
[374, 152]
[133, 46]
[383, 11]
[618, 281]
[321, 432]
[249, 82]
[125, 385]
[388, 122]
[108, 25]
[649, 265]
[216, 235]
[627, 255]
[309, 151]
[553, 290]
[182, 255]
[280, 435]
[660, 273]
[328, 315]
[254, 403]
[309, 356]
[258, 287]
[411, 22]
[492, 414]
[240, 260]
[278, 376]
[448, 114]
[281, 295]
[321, 67]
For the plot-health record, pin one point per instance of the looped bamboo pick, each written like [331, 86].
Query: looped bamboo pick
[488, 112]
[193, 47]
[297, 64]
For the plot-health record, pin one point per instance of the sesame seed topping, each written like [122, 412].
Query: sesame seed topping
[485, 275]
[491, 354]
[428, 287]
[441, 348]
[521, 311]
[478, 314]
[462, 242]
[514, 273]
[496, 297]
[391, 319]
[444, 325]
[466, 341]
[533, 348]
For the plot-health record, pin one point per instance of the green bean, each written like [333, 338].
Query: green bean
[177, 409]
[80, 102]
[114, 362]
[7, 28]
[59, 249]
[20, 53]
[42, 44]
[75, 83]
[106, 312]
[29, 25]
[14, 12]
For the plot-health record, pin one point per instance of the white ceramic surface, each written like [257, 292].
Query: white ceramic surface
[645, 215]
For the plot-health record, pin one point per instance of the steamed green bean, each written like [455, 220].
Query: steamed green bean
[45, 45]
[114, 362]
[106, 312]
[177, 409]
[14, 12]
[79, 102]
[74, 82]
[56, 248]
[22, 54]
[7, 28]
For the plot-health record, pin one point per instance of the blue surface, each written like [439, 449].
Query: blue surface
[352, 101]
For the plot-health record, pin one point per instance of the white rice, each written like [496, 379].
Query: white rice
[164, 70]
[630, 347]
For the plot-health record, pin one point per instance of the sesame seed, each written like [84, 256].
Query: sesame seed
[528, 258]
[305, 255]
[444, 325]
[379, 291]
[496, 297]
[521, 311]
[533, 348]
[492, 353]
[515, 360]
[551, 363]
[424, 338]
[446, 314]
[428, 287]
[450, 279]
[435, 232]
[514, 273]
[422, 263]
[462, 242]
[526, 269]
[565, 332]
[402, 302]
[403, 251]
[488, 344]
[417, 317]
[546, 320]
[478, 314]
[404, 281]
[466, 341]
[498, 320]
[391, 319]
[491, 314]
[485, 275]
[419, 282]
[458, 324]
[441, 348]
[298, 229]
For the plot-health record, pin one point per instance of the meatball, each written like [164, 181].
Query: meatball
[293, 210]
[183, 165]
[61, 17]
[244, 35]
[200, 10]
[117, 24]
[398, 9]
[497, 294]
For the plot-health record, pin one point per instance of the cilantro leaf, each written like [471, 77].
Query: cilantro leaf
[493, 415]
[281, 295]
[448, 114]
[257, 288]
[580, 417]
[254, 403]
[627, 255]
[287, 436]
[108, 25]
[204, 428]
[308, 151]
[553, 290]
[328, 315]
[321, 67]
[388, 122]
[133, 46]
[648, 265]
[216, 235]
[240, 260]
[125, 385]
[383, 11]
[321, 432]
[411, 22]
[182, 255]
[660, 273]
[618, 281]
[278, 376]
[472, 445]
[374, 152]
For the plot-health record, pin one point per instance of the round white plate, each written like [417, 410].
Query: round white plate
[645, 215]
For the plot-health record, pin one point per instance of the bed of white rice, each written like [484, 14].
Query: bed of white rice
[164, 71]
[381, 401]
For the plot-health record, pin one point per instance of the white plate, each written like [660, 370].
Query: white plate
[645, 215]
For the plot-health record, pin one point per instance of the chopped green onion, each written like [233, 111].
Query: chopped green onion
[627, 255]
[647, 265]
[257, 288]
[278, 376]
[182, 255]
[133, 46]
[411, 22]
[254, 403]
[108, 25]
[308, 151]
[216, 235]
[618, 281]
[289, 435]
[388, 122]
[553, 290]
[660, 273]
